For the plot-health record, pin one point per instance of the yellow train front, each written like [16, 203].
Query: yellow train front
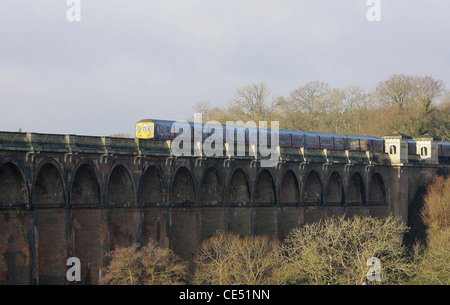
[155, 129]
[145, 129]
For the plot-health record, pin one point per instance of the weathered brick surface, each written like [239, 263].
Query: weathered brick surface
[122, 227]
[240, 220]
[212, 221]
[184, 232]
[51, 244]
[154, 225]
[289, 217]
[88, 242]
[266, 221]
[14, 249]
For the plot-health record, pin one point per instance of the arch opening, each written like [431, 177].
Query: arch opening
[85, 186]
[265, 188]
[312, 193]
[152, 188]
[12, 185]
[183, 187]
[289, 189]
[120, 187]
[48, 187]
[377, 191]
[356, 191]
[335, 190]
[239, 189]
[211, 189]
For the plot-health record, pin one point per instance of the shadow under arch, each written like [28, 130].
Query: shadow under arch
[239, 190]
[120, 187]
[183, 189]
[13, 186]
[335, 194]
[356, 193]
[85, 188]
[211, 191]
[265, 192]
[152, 188]
[290, 191]
[48, 186]
[377, 190]
[312, 189]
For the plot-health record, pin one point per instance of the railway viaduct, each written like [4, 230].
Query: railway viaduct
[71, 195]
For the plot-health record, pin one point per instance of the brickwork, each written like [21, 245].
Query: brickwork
[63, 196]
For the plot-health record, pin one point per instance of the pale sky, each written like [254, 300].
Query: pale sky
[126, 60]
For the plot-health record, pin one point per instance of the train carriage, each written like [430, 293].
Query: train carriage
[363, 143]
[291, 138]
[444, 151]
[322, 140]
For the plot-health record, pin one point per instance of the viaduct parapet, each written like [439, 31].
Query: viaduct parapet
[72, 195]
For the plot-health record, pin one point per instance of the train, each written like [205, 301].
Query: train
[162, 130]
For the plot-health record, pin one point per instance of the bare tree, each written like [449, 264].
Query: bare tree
[251, 103]
[411, 99]
[336, 251]
[150, 265]
[427, 91]
[311, 98]
[434, 267]
[227, 259]
[397, 90]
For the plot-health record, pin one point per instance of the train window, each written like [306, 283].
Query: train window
[144, 129]
[166, 129]
[138, 127]
[423, 151]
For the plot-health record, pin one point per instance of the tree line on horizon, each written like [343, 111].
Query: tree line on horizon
[409, 104]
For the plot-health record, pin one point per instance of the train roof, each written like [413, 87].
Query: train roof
[162, 122]
[290, 131]
[316, 133]
[363, 137]
[155, 121]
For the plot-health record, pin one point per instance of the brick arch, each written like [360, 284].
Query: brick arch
[211, 188]
[377, 190]
[290, 191]
[87, 223]
[265, 188]
[14, 253]
[85, 188]
[356, 192]
[13, 186]
[239, 190]
[312, 188]
[335, 189]
[183, 189]
[119, 187]
[152, 188]
[48, 187]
